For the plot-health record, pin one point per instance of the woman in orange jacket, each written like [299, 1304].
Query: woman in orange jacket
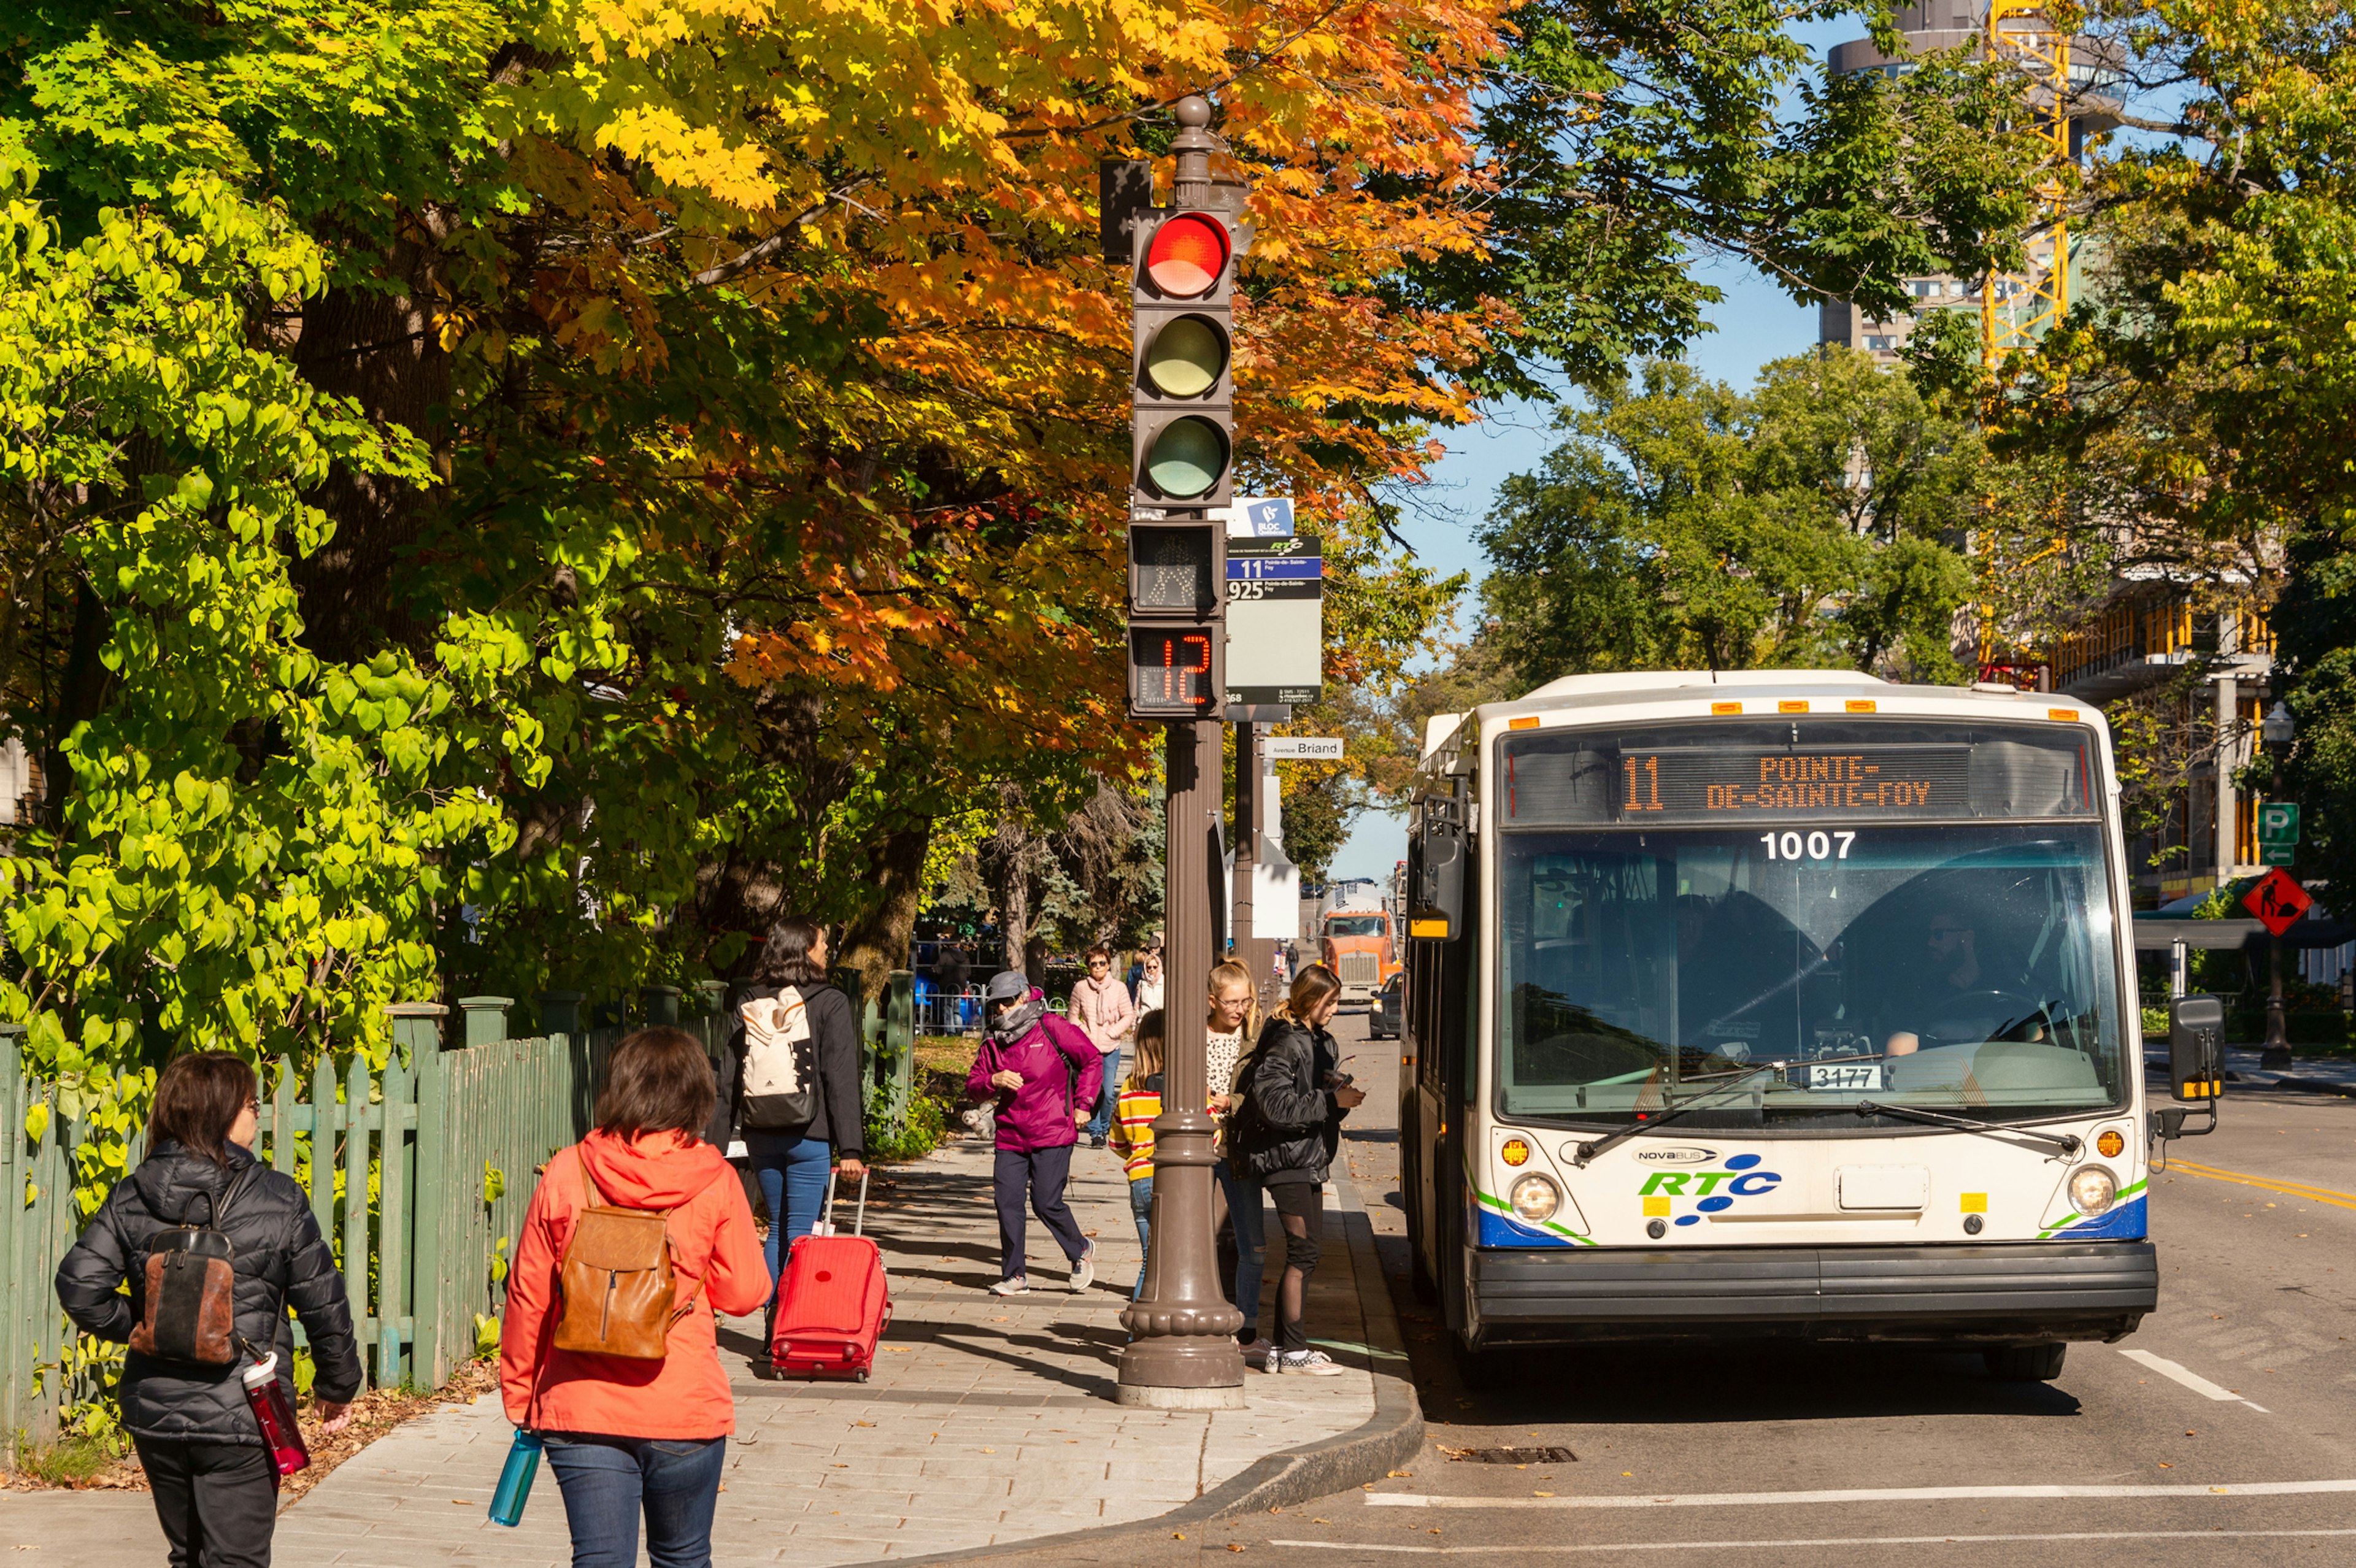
[630, 1436]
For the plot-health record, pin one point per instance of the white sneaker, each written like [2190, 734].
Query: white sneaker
[1018, 1286]
[1083, 1273]
[1305, 1363]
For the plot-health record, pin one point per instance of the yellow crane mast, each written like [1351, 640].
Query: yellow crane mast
[2017, 309]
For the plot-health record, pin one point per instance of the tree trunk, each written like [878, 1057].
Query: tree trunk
[382, 349]
[1014, 911]
[876, 942]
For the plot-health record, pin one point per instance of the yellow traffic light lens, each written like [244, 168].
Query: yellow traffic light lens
[1187, 458]
[1186, 357]
[1187, 255]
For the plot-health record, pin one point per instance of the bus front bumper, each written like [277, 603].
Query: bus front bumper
[1978, 1293]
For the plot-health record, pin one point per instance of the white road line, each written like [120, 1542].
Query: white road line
[1861, 1495]
[2190, 1379]
[1836, 1541]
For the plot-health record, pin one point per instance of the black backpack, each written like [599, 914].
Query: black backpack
[189, 1312]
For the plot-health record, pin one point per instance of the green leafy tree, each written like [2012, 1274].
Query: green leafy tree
[1815, 520]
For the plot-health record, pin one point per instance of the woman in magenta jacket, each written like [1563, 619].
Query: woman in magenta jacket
[1043, 1076]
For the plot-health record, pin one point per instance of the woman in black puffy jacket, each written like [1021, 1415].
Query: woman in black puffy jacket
[216, 1487]
[1295, 1096]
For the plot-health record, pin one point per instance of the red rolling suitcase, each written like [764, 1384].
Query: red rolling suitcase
[833, 1302]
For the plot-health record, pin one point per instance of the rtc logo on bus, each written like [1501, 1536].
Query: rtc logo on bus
[1714, 1191]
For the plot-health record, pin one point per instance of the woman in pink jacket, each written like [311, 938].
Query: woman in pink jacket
[1102, 1007]
[1042, 1075]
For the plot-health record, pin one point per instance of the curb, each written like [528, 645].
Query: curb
[1368, 1453]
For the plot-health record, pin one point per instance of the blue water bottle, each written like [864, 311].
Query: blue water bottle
[515, 1478]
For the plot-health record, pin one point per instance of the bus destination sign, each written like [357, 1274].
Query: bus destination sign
[1691, 774]
[1909, 781]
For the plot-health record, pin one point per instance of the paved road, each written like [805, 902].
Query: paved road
[2220, 1432]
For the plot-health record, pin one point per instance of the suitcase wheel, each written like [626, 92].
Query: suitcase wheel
[863, 1377]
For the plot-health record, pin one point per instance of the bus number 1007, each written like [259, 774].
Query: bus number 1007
[1818, 846]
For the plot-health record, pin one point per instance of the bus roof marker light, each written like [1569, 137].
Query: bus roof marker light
[1726, 708]
[1527, 721]
[1862, 704]
[1792, 705]
[2062, 715]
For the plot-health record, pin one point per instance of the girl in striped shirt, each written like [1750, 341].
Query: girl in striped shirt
[1132, 1130]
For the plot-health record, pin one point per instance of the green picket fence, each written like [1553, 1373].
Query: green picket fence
[443, 1147]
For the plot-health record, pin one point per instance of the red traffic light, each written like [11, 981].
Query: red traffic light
[1188, 255]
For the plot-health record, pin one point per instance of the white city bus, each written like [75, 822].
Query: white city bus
[1783, 1003]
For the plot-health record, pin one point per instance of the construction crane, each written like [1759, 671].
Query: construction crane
[2017, 309]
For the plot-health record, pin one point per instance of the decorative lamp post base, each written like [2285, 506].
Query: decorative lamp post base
[1143, 1396]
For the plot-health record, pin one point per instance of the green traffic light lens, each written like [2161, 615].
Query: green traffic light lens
[1187, 458]
[1186, 357]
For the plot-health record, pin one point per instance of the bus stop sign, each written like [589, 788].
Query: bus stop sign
[2278, 901]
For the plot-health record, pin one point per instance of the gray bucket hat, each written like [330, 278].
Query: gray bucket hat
[1006, 986]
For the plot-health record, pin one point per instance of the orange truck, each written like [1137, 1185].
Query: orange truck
[1357, 945]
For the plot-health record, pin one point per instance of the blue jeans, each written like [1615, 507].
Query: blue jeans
[1107, 1098]
[1140, 1208]
[792, 1170]
[608, 1481]
[1245, 1200]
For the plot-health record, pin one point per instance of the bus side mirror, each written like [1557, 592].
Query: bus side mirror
[1436, 869]
[2196, 1048]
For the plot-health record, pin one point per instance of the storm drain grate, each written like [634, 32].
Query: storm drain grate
[1513, 1456]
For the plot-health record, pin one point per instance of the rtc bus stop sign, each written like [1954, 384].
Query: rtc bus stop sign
[2278, 901]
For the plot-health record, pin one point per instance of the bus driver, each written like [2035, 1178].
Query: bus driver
[1954, 948]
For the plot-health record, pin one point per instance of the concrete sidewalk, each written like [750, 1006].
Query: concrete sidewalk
[989, 1421]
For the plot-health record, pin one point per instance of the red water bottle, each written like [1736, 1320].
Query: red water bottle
[276, 1413]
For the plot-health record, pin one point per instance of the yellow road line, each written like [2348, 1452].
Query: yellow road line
[2290, 1189]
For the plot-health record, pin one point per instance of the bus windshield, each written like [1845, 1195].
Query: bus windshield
[1968, 968]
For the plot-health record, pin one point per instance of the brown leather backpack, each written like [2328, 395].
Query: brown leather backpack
[616, 1282]
[188, 1311]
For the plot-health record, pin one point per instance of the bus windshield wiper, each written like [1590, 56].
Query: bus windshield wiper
[1588, 1151]
[2068, 1144]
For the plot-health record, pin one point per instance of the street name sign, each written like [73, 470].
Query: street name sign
[1323, 748]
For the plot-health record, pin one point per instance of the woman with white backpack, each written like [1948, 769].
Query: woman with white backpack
[790, 1086]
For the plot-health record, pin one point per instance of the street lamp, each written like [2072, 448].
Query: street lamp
[2276, 730]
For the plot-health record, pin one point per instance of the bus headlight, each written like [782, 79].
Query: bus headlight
[2092, 1190]
[1536, 1198]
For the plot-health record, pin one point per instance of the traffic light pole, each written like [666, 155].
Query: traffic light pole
[1182, 1353]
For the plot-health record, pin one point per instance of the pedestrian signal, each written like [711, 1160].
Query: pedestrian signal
[1177, 645]
[1175, 672]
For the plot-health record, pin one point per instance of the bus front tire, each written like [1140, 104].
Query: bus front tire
[2024, 1363]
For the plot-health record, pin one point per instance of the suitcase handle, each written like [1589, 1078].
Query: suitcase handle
[859, 1226]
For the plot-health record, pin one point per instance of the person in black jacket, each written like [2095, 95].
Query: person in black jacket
[215, 1486]
[791, 1163]
[1284, 1137]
